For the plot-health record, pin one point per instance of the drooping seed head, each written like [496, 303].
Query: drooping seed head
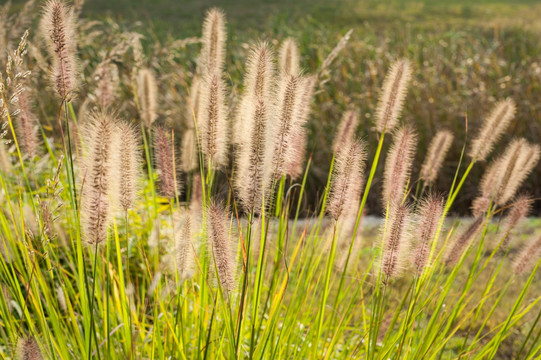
[58, 27]
[393, 95]
[288, 56]
[439, 146]
[214, 37]
[430, 213]
[165, 162]
[463, 241]
[130, 164]
[398, 165]
[346, 130]
[28, 349]
[220, 246]
[395, 238]
[147, 92]
[347, 180]
[528, 256]
[492, 129]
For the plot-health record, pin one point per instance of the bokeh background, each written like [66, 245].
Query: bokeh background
[466, 56]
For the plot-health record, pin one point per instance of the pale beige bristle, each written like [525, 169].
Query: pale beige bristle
[437, 150]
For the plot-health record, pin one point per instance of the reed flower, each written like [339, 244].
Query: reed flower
[346, 130]
[393, 95]
[430, 213]
[223, 256]
[463, 241]
[99, 179]
[147, 92]
[58, 27]
[184, 250]
[129, 171]
[214, 36]
[27, 129]
[396, 236]
[437, 150]
[492, 129]
[520, 208]
[398, 165]
[347, 180]
[528, 256]
[288, 56]
[164, 159]
[28, 349]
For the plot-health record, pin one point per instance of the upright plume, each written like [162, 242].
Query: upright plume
[288, 57]
[58, 26]
[130, 164]
[439, 146]
[463, 241]
[393, 95]
[28, 349]
[147, 92]
[493, 128]
[189, 160]
[165, 162]
[223, 256]
[99, 180]
[430, 213]
[256, 108]
[27, 128]
[184, 250]
[347, 180]
[346, 130]
[394, 239]
[398, 165]
[214, 36]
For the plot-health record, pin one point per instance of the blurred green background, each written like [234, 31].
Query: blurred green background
[466, 56]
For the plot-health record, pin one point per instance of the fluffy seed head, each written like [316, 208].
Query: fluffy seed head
[528, 256]
[223, 257]
[188, 157]
[214, 36]
[393, 95]
[58, 27]
[28, 349]
[398, 165]
[347, 180]
[346, 130]
[99, 197]
[147, 92]
[520, 208]
[194, 103]
[463, 241]
[493, 127]
[288, 58]
[214, 125]
[5, 161]
[130, 164]
[164, 159]
[439, 146]
[184, 250]
[27, 129]
[107, 83]
[430, 214]
[394, 239]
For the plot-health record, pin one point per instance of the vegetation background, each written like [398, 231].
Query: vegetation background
[466, 55]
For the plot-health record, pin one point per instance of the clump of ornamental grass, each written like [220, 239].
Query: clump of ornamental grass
[347, 181]
[28, 349]
[130, 164]
[147, 92]
[99, 178]
[58, 27]
[220, 246]
[429, 217]
[288, 56]
[393, 95]
[254, 114]
[528, 256]
[164, 159]
[492, 129]
[346, 130]
[437, 150]
[398, 165]
[462, 242]
[395, 238]
[520, 208]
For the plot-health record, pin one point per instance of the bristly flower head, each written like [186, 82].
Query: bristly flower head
[189, 159]
[165, 162]
[528, 255]
[130, 164]
[347, 180]
[394, 240]
[288, 58]
[28, 349]
[463, 241]
[398, 165]
[520, 208]
[214, 36]
[58, 25]
[436, 155]
[393, 95]
[147, 92]
[346, 130]
[493, 127]
[184, 250]
[430, 213]
[27, 128]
